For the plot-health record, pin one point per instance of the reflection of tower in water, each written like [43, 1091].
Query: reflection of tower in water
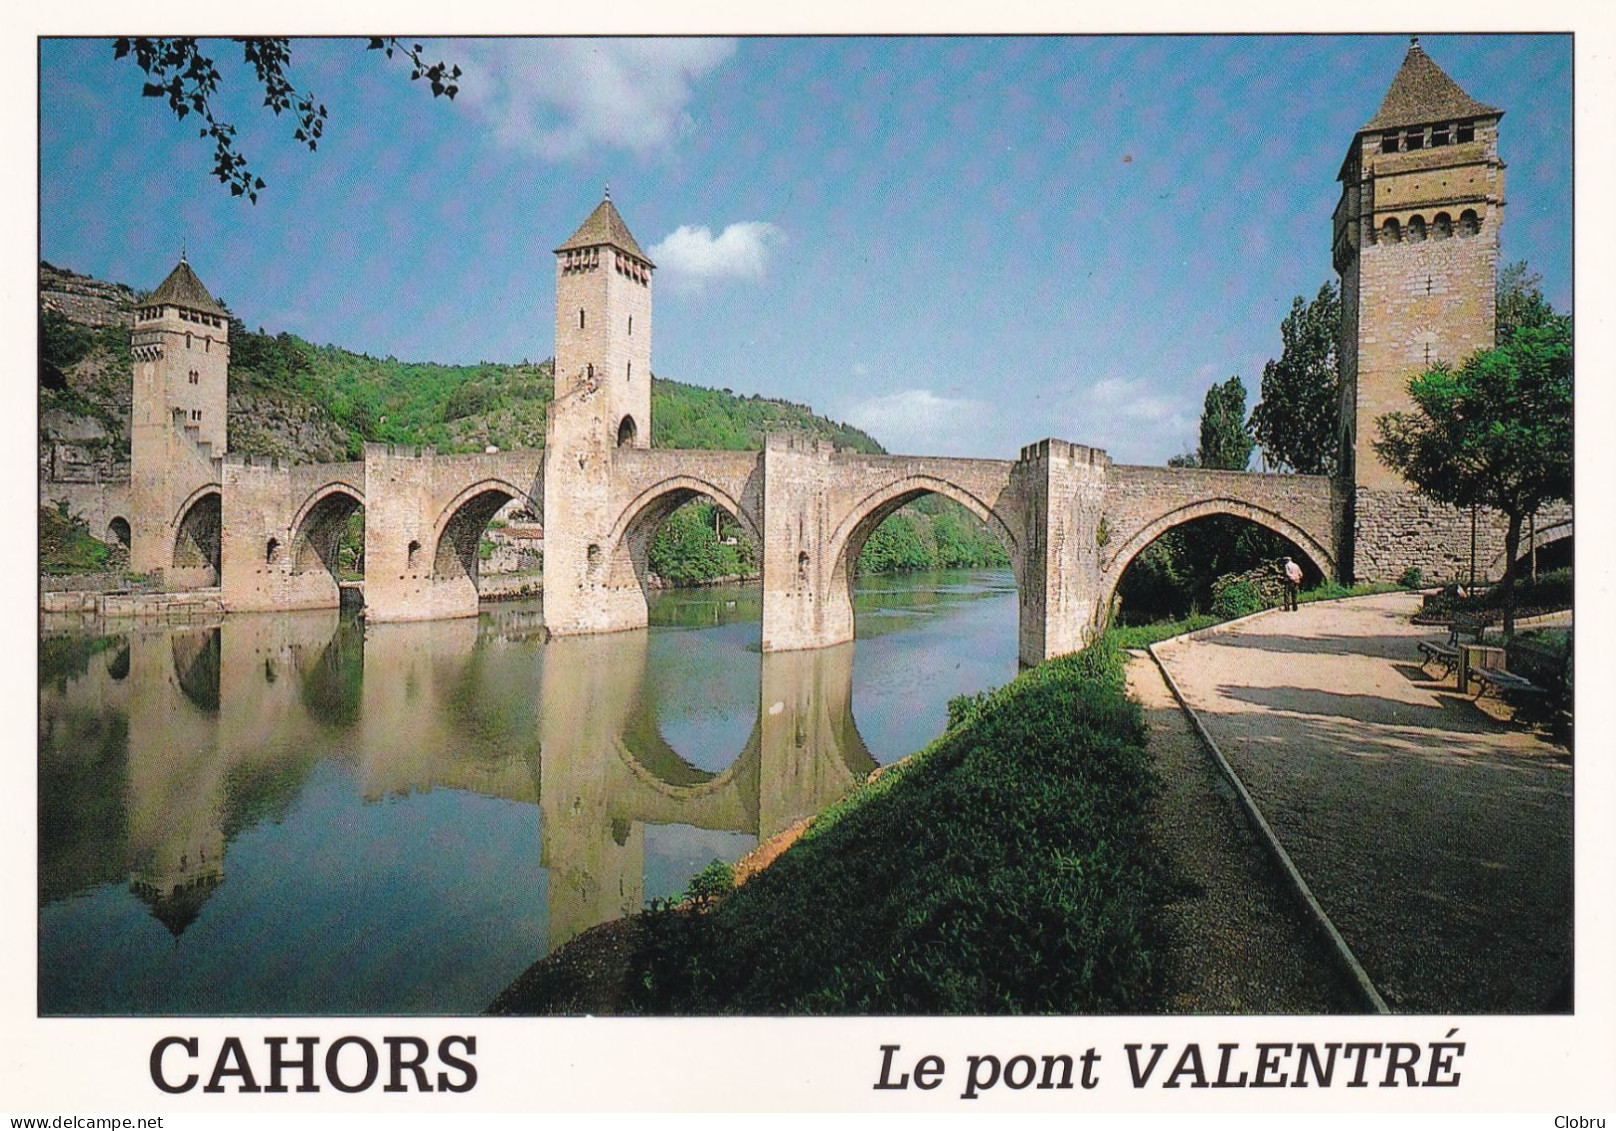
[176, 843]
[221, 722]
[225, 723]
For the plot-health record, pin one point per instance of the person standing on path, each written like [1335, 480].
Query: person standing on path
[1293, 581]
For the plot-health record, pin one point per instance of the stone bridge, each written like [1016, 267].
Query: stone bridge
[1142, 503]
[1070, 521]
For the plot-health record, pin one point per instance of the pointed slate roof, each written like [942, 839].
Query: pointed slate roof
[605, 226]
[1422, 92]
[183, 288]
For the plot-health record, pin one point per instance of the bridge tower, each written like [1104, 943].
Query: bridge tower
[601, 413]
[181, 349]
[1416, 245]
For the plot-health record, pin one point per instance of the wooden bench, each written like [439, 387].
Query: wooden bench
[1447, 652]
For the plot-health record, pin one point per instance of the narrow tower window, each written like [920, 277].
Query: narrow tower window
[630, 371]
[631, 325]
[580, 319]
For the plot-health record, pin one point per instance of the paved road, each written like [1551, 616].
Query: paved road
[1437, 838]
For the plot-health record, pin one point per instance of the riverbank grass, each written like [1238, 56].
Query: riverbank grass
[1002, 870]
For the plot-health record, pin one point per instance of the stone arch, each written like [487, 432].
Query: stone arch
[318, 525]
[462, 522]
[1546, 536]
[197, 525]
[1442, 226]
[118, 530]
[626, 432]
[1391, 231]
[1469, 222]
[1416, 229]
[1112, 568]
[861, 520]
[628, 545]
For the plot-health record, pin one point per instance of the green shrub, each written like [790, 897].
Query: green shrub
[1235, 598]
[710, 884]
[1411, 578]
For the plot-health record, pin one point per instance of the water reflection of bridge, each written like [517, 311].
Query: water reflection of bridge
[225, 723]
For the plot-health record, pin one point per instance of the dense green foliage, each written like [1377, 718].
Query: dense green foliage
[700, 543]
[1236, 598]
[1004, 869]
[932, 532]
[1496, 432]
[1298, 421]
[1549, 592]
[1225, 443]
[1173, 577]
[67, 546]
[688, 416]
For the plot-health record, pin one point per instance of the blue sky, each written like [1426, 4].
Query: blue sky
[960, 244]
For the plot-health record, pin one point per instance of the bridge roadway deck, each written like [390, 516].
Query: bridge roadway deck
[1436, 838]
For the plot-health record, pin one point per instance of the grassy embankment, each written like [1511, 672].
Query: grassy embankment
[1004, 869]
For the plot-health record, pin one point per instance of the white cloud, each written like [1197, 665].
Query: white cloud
[1132, 420]
[691, 256]
[557, 97]
[919, 422]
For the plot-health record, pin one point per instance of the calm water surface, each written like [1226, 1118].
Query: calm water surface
[295, 813]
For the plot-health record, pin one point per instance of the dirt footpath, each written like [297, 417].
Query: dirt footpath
[1236, 940]
[1437, 838]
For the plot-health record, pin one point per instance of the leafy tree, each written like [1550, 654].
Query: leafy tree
[1520, 301]
[1494, 433]
[1225, 443]
[178, 70]
[1184, 459]
[1297, 422]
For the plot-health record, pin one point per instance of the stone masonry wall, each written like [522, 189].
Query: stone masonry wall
[1397, 530]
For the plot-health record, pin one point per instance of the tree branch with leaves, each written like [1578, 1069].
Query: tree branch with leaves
[178, 70]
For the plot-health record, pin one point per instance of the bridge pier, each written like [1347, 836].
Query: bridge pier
[401, 581]
[800, 607]
[1061, 487]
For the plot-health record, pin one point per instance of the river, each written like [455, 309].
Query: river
[299, 814]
